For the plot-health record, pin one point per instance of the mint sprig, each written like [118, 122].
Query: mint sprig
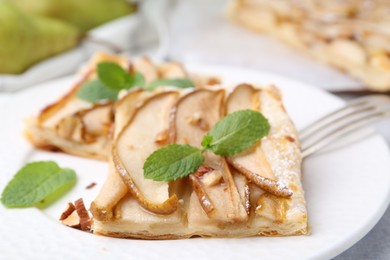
[236, 132]
[95, 90]
[173, 162]
[231, 135]
[37, 184]
[112, 78]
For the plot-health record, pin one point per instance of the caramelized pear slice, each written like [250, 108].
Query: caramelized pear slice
[70, 128]
[193, 117]
[114, 189]
[166, 207]
[145, 66]
[244, 96]
[126, 107]
[171, 70]
[198, 187]
[87, 125]
[252, 162]
[97, 120]
[271, 186]
[243, 188]
[135, 143]
[67, 105]
[224, 195]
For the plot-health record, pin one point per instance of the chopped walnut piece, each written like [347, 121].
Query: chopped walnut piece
[162, 137]
[209, 176]
[91, 185]
[202, 170]
[197, 120]
[73, 220]
[290, 138]
[76, 216]
[85, 220]
[69, 210]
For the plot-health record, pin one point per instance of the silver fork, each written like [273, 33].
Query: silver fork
[342, 122]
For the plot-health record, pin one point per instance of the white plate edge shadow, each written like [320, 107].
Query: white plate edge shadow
[326, 253]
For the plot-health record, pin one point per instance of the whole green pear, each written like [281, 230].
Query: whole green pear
[84, 14]
[25, 39]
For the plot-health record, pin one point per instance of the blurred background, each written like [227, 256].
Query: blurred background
[341, 46]
[46, 38]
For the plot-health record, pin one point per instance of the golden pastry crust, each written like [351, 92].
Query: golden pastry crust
[350, 35]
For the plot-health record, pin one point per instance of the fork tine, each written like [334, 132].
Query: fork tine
[359, 104]
[344, 119]
[343, 130]
[329, 123]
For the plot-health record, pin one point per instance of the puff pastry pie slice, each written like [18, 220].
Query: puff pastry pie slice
[257, 192]
[85, 129]
[352, 35]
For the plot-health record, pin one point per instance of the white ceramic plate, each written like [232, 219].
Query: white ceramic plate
[347, 190]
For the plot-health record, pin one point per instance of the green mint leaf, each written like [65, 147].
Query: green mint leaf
[95, 91]
[236, 132]
[179, 83]
[172, 162]
[138, 80]
[207, 140]
[36, 182]
[114, 76]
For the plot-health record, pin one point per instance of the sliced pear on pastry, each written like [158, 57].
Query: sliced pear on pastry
[87, 125]
[195, 114]
[135, 143]
[65, 106]
[73, 125]
[216, 200]
[171, 70]
[215, 189]
[126, 107]
[69, 104]
[243, 187]
[111, 193]
[252, 162]
[98, 120]
[114, 189]
[146, 67]
[243, 97]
